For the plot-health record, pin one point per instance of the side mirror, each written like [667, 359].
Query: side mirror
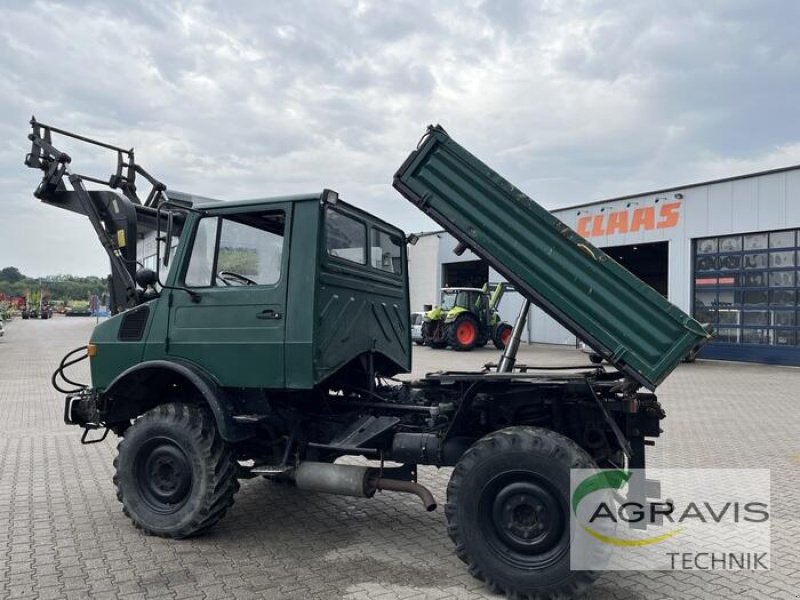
[412, 239]
[146, 278]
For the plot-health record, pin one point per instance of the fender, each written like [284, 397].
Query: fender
[131, 402]
[454, 313]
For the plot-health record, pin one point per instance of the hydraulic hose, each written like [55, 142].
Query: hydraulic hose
[59, 372]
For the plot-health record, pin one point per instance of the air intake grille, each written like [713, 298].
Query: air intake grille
[132, 328]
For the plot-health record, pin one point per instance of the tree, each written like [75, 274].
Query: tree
[11, 274]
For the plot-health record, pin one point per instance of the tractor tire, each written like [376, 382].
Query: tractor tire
[463, 333]
[175, 475]
[432, 334]
[508, 512]
[502, 334]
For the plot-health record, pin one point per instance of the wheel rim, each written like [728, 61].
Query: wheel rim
[466, 333]
[505, 335]
[524, 520]
[164, 475]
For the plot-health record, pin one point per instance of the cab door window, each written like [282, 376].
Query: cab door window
[238, 250]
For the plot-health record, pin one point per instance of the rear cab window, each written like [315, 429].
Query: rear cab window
[386, 252]
[345, 237]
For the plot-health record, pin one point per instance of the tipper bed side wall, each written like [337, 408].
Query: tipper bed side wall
[624, 319]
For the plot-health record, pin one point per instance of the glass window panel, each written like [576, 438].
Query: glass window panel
[783, 318]
[758, 297]
[784, 337]
[345, 237]
[705, 314]
[730, 263]
[252, 249]
[706, 282]
[729, 298]
[730, 316]
[756, 241]
[385, 252]
[705, 306]
[755, 317]
[781, 260]
[781, 239]
[706, 263]
[728, 335]
[783, 297]
[730, 244]
[782, 279]
[707, 246]
[755, 279]
[755, 261]
[755, 336]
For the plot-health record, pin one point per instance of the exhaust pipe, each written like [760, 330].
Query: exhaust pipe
[396, 485]
[354, 480]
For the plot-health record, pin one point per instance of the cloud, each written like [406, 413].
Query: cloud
[572, 101]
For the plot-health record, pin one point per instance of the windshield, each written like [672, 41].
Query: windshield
[448, 300]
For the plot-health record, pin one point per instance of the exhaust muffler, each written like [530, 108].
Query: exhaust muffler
[354, 480]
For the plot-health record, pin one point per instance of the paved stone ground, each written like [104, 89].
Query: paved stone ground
[63, 535]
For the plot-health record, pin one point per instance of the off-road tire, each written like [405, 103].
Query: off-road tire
[513, 467]
[500, 334]
[175, 475]
[454, 337]
[428, 339]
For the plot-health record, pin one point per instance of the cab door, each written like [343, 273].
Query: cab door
[234, 327]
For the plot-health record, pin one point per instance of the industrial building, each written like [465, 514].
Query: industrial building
[724, 251]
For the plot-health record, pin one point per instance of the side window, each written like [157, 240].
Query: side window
[250, 251]
[345, 237]
[385, 252]
[250, 246]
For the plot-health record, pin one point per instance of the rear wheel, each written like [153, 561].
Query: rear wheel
[175, 475]
[502, 334]
[508, 512]
[462, 334]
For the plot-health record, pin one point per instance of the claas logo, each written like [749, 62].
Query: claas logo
[645, 218]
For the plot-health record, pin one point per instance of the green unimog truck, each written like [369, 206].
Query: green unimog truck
[259, 338]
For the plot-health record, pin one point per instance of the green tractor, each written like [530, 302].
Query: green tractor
[467, 318]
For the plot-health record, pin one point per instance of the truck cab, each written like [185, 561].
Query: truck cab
[233, 304]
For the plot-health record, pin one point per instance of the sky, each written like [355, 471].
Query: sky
[572, 101]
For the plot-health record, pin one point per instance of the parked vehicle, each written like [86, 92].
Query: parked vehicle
[416, 327]
[467, 318]
[266, 348]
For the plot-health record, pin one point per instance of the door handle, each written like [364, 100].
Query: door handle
[268, 314]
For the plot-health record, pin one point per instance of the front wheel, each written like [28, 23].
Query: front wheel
[508, 512]
[175, 475]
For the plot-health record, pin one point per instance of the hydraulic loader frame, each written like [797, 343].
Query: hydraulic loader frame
[116, 219]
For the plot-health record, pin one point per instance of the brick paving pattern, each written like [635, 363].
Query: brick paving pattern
[63, 534]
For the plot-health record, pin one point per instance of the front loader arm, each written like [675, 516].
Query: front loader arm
[114, 217]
